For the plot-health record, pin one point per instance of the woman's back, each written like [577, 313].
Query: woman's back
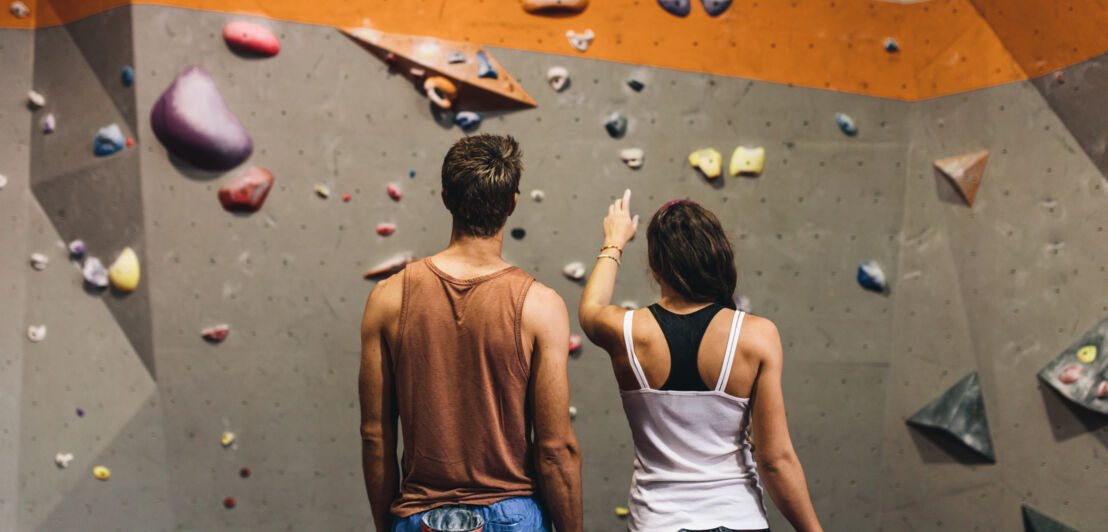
[693, 463]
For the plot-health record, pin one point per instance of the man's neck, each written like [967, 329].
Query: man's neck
[475, 251]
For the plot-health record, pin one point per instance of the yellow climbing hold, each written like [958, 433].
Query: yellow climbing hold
[1087, 354]
[748, 160]
[101, 472]
[124, 272]
[622, 512]
[708, 160]
[228, 438]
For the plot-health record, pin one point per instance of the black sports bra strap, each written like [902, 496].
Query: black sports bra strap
[684, 333]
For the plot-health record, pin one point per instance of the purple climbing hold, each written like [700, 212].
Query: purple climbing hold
[193, 122]
[676, 7]
[715, 7]
[77, 248]
[80, 413]
[49, 123]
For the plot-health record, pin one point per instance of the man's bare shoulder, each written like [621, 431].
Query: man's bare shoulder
[385, 300]
[542, 303]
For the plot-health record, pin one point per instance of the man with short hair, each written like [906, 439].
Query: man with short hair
[471, 354]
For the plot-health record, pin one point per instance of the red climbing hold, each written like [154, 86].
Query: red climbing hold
[130, 141]
[248, 191]
[246, 36]
[575, 343]
[346, 198]
[216, 334]
[229, 503]
[244, 472]
[386, 229]
[394, 192]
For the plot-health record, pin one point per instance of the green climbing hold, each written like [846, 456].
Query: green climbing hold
[1034, 521]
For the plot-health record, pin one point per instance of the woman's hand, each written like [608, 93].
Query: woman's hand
[619, 225]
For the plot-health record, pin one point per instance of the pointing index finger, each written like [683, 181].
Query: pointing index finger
[627, 200]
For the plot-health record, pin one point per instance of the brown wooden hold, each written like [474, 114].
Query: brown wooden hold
[965, 171]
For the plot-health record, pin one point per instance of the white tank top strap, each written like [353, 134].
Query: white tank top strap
[729, 355]
[629, 342]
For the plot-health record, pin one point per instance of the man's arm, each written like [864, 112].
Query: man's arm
[375, 390]
[557, 456]
[778, 464]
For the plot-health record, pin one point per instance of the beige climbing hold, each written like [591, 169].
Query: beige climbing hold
[101, 472]
[748, 161]
[323, 190]
[622, 511]
[537, 195]
[574, 270]
[124, 272]
[708, 160]
[632, 157]
[572, 412]
[965, 171]
[63, 459]
[39, 261]
[3, 181]
[580, 41]
[36, 99]
[36, 333]
[558, 78]
[227, 439]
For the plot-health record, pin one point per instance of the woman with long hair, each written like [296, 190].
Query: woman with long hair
[695, 375]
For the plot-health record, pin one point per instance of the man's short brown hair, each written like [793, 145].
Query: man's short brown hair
[480, 178]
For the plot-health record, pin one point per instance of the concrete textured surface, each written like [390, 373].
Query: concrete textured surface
[1000, 287]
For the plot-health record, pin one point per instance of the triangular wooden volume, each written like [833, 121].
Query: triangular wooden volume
[457, 61]
[965, 171]
[960, 413]
[1034, 521]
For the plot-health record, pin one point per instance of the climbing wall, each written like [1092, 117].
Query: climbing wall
[1001, 287]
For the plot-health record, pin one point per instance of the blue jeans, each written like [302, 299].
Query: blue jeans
[519, 514]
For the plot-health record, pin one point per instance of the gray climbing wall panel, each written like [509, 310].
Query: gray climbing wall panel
[1000, 288]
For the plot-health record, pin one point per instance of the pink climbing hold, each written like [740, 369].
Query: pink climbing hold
[246, 36]
[386, 229]
[346, 198]
[216, 334]
[575, 343]
[1102, 390]
[1070, 374]
[247, 192]
[394, 192]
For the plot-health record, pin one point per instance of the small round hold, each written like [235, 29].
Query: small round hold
[1087, 354]
[36, 99]
[411, 173]
[127, 76]
[518, 233]
[574, 270]
[346, 198]
[101, 472]
[227, 439]
[1070, 374]
[537, 195]
[244, 472]
[229, 503]
[891, 46]
[572, 412]
[1060, 77]
[394, 192]
[36, 333]
[80, 412]
[76, 247]
[575, 343]
[386, 229]
[39, 261]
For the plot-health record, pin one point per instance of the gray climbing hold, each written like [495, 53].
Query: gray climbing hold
[484, 66]
[193, 122]
[616, 125]
[1033, 521]
[109, 140]
[467, 119]
[715, 7]
[676, 7]
[1080, 373]
[95, 273]
[846, 124]
[49, 123]
[455, 56]
[960, 413]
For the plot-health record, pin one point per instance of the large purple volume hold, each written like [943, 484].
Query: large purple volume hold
[192, 121]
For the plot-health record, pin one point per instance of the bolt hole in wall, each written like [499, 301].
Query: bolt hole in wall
[181, 310]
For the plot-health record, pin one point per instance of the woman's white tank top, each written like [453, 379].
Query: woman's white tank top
[693, 463]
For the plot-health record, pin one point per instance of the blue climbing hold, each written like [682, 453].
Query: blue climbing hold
[891, 46]
[715, 7]
[636, 85]
[128, 76]
[846, 124]
[484, 67]
[676, 7]
[467, 119]
[871, 277]
[411, 173]
[109, 140]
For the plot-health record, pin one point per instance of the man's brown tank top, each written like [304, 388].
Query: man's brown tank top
[461, 389]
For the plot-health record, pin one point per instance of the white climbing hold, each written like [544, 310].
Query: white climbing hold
[63, 459]
[632, 157]
[36, 333]
[743, 303]
[537, 195]
[36, 99]
[19, 9]
[3, 181]
[95, 273]
[574, 270]
[49, 123]
[580, 41]
[572, 411]
[39, 261]
[558, 78]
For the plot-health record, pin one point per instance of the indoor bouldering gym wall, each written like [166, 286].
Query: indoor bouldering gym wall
[927, 230]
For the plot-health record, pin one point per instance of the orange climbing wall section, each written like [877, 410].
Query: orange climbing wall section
[947, 46]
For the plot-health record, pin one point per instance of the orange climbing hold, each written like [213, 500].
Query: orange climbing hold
[965, 171]
[452, 61]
